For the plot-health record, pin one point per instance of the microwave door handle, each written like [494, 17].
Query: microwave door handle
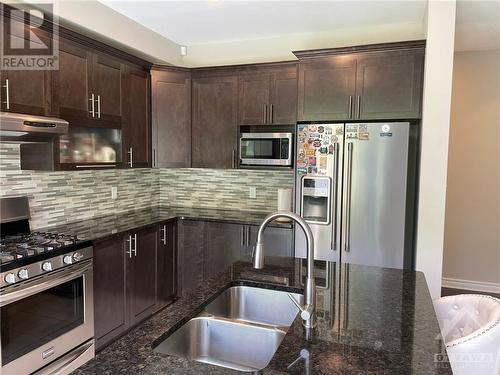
[35, 287]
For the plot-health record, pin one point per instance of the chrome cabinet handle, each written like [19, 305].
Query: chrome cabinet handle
[154, 157]
[359, 106]
[271, 116]
[264, 120]
[164, 237]
[130, 153]
[98, 106]
[248, 235]
[348, 198]
[7, 94]
[92, 105]
[242, 236]
[135, 244]
[350, 106]
[233, 159]
[129, 241]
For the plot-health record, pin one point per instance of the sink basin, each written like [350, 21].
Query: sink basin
[255, 305]
[241, 329]
[224, 343]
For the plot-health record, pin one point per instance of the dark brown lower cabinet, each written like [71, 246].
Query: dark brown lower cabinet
[191, 257]
[278, 241]
[165, 266]
[110, 291]
[126, 283]
[205, 249]
[141, 274]
[223, 246]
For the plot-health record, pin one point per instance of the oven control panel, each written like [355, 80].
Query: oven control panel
[36, 269]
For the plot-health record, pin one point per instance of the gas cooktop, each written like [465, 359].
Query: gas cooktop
[16, 250]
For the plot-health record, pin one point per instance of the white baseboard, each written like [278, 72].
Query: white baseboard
[481, 286]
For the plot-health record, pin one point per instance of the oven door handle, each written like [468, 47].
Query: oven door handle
[29, 289]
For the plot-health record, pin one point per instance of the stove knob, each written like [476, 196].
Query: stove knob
[68, 259]
[47, 266]
[10, 278]
[77, 256]
[23, 274]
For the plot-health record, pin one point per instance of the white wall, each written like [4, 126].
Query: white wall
[280, 48]
[472, 227]
[434, 143]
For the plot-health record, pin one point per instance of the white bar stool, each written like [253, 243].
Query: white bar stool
[470, 327]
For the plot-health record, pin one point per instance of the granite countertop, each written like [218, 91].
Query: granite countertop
[103, 227]
[369, 320]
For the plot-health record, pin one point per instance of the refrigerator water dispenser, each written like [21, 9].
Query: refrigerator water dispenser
[316, 194]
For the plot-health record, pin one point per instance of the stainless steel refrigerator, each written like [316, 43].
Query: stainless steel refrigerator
[355, 187]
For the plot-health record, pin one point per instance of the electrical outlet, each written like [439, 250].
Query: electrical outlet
[114, 192]
[252, 192]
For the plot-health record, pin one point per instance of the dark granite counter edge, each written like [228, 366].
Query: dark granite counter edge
[160, 220]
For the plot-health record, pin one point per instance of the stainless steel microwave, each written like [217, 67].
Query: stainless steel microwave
[271, 149]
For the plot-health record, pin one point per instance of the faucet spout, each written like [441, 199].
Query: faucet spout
[310, 288]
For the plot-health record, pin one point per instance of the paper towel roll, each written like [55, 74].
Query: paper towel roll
[284, 202]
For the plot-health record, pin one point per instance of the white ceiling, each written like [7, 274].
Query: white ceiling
[219, 21]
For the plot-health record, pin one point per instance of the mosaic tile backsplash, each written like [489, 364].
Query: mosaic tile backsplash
[222, 188]
[60, 197]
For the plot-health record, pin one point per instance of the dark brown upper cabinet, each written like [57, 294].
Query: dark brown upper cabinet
[283, 98]
[87, 87]
[171, 96]
[107, 81]
[389, 86]
[375, 82]
[268, 97]
[25, 91]
[326, 88]
[253, 99]
[136, 124]
[214, 127]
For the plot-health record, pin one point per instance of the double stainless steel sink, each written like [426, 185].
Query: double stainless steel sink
[241, 329]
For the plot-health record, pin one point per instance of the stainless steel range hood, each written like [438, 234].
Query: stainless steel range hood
[16, 127]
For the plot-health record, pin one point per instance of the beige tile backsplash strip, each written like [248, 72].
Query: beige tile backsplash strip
[58, 197]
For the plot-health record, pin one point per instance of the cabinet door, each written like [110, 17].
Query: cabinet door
[215, 131]
[224, 246]
[110, 297]
[253, 99]
[277, 241]
[25, 91]
[171, 118]
[283, 107]
[165, 267]
[191, 255]
[71, 90]
[107, 81]
[326, 88]
[142, 275]
[389, 86]
[136, 129]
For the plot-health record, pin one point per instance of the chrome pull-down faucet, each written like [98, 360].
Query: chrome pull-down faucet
[307, 311]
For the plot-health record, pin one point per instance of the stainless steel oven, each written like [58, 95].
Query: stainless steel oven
[47, 322]
[266, 149]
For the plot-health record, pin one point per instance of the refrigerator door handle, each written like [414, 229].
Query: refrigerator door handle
[348, 197]
[334, 195]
